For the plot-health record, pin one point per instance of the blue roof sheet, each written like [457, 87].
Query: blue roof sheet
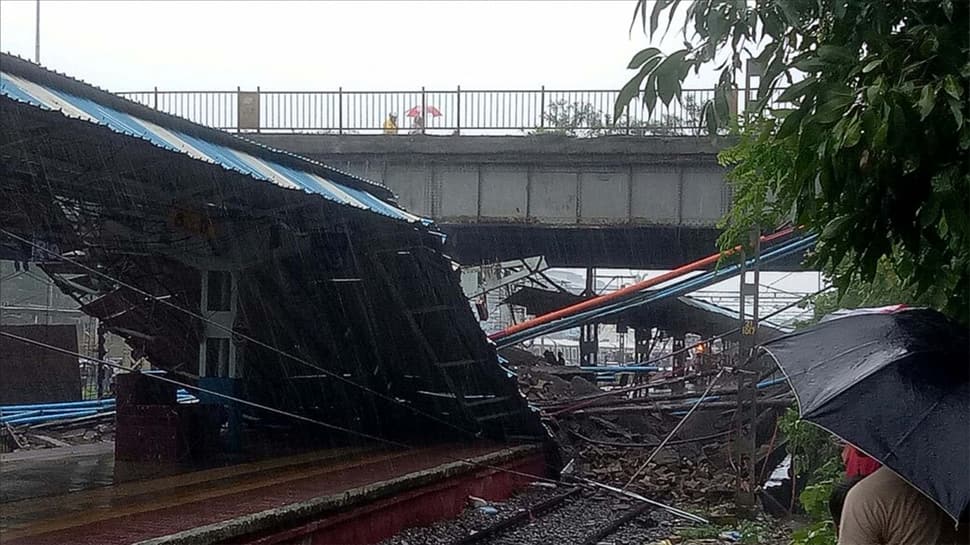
[261, 168]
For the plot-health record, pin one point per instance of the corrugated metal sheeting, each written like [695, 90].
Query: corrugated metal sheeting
[49, 98]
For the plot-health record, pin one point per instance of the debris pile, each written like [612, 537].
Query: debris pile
[542, 384]
[65, 435]
[613, 433]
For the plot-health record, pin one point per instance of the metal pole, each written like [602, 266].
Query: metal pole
[745, 416]
[458, 112]
[37, 34]
[340, 110]
[102, 354]
[155, 98]
[424, 110]
[542, 107]
[50, 302]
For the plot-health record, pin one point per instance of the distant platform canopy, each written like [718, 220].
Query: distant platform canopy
[675, 315]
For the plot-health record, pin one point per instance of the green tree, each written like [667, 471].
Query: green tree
[873, 151]
[584, 120]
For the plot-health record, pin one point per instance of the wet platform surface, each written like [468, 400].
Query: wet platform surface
[142, 510]
[55, 471]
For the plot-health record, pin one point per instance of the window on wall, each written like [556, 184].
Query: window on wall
[216, 357]
[220, 291]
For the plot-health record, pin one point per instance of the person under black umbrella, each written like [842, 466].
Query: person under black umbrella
[895, 383]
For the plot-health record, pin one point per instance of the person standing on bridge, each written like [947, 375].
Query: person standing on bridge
[417, 124]
[390, 124]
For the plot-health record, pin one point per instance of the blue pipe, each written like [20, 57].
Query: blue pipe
[7, 418]
[680, 288]
[67, 405]
[64, 405]
[44, 411]
[770, 382]
[50, 417]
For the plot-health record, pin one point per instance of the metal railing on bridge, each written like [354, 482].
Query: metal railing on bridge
[458, 111]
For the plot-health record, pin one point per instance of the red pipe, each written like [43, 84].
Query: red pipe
[633, 288]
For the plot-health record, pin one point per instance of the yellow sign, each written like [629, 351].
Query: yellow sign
[749, 328]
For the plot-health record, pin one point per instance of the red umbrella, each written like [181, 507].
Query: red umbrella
[428, 110]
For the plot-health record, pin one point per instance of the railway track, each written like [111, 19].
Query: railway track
[572, 517]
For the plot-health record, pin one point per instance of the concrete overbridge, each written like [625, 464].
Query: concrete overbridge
[615, 201]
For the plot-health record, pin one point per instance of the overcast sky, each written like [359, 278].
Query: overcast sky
[307, 45]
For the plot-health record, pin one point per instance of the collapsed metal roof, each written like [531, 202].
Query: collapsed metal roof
[348, 310]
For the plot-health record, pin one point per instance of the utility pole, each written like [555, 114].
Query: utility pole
[745, 447]
[37, 34]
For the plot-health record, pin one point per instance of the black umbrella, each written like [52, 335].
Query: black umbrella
[894, 384]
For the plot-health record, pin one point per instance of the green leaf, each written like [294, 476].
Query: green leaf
[871, 66]
[952, 87]
[853, 133]
[788, 11]
[627, 93]
[650, 93]
[708, 117]
[669, 74]
[790, 125]
[658, 8]
[947, 6]
[810, 64]
[835, 227]
[927, 100]
[879, 140]
[832, 111]
[796, 90]
[836, 54]
[722, 107]
[840, 8]
[642, 57]
[956, 109]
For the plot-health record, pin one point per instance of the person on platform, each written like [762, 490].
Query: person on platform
[417, 124]
[561, 359]
[549, 357]
[883, 509]
[837, 499]
[857, 463]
